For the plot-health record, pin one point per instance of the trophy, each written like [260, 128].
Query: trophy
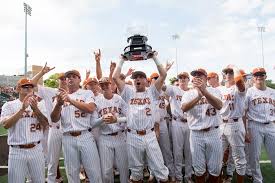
[137, 49]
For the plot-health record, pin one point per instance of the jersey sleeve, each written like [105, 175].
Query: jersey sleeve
[247, 99]
[6, 112]
[188, 96]
[154, 92]
[123, 107]
[45, 92]
[126, 93]
[170, 90]
[90, 97]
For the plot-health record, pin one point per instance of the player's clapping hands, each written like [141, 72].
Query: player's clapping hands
[109, 118]
[26, 101]
[33, 103]
[62, 97]
[199, 85]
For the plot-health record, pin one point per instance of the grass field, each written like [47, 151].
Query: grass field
[267, 171]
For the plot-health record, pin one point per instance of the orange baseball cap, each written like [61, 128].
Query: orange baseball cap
[154, 75]
[199, 70]
[258, 70]
[104, 80]
[24, 81]
[61, 75]
[75, 72]
[184, 74]
[212, 75]
[90, 80]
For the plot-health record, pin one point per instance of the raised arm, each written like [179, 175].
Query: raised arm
[119, 82]
[98, 64]
[162, 72]
[41, 73]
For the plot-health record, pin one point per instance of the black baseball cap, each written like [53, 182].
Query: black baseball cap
[138, 73]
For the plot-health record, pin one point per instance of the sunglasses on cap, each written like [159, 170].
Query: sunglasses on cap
[27, 86]
[260, 74]
[155, 78]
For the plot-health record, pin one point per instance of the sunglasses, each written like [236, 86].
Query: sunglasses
[27, 86]
[259, 74]
[155, 78]
[229, 72]
[198, 74]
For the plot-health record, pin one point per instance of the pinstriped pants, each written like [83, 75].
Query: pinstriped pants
[22, 161]
[206, 150]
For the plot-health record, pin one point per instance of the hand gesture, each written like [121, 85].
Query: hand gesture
[63, 96]
[88, 72]
[153, 55]
[109, 118]
[130, 71]
[33, 103]
[112, 67]
[97, 55]
[123, 57]
[26, 102]
[168, 65]
[46, 69]
[199, 84]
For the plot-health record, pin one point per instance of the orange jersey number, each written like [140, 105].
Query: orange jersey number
[35, 127]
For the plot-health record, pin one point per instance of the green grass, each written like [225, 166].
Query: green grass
[3, 131]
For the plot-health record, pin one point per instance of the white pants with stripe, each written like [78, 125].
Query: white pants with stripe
[206, 150]
[54, 147]
[165, 147]
[81, 150]
[113, 149]
[23, 161]
[140, 147]
[181, 148]
[234, 136]
[260, 133]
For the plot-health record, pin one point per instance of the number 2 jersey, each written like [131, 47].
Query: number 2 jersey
[27, 129]
[202, 115]
[141, 107]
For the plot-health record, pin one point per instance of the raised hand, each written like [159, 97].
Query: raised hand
[112, 67]
[168, 65]
[130, 71]
[123, 57]
[97, 55]
[153, 54]
[46, 69]
[88, 72]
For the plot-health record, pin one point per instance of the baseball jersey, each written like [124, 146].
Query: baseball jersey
[115, 105]
[233, 102]
[27, 129]
[175, 101]
[260, 104]
[202, 115]
[48, 95]
[140, 107]
[161, 109]
[73, 119]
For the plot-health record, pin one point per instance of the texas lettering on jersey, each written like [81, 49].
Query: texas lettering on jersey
[140, 101]
[263, 100]
[106, 110]
[178, 97]
[202, 101]
[28, 114]
[229, 97]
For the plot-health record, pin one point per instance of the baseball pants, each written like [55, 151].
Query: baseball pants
[140, 147]
[113, 149]
[234, 136]
[81, 149]
[22, 161]
[54, 147]
[260, 133]
[181, 148]
[206, 150]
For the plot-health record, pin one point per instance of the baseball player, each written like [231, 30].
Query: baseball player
[74, 109]
[164, 140]
[233, 97]
[112, 141]
[54, 141]
[179, 129]
[202, 105]
[141, 138]
[213, 79]
[260, 103]
[25, 118]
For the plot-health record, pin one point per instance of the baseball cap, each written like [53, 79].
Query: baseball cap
[104, 80]
[90, 80]
[184, 74]
[138, 73]
[212, 75]
[24, 81]
[75, 72]
[154, 75]
[227, 68]
[199, 70]
[258, 70]
[61, 75]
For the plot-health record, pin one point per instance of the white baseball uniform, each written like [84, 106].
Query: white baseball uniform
[27, 130]
[81, 148]
[141, 138]
[261, 125]
[233, 126]
[180, 134]
[54, 140]
[112, 145]
[205, 135]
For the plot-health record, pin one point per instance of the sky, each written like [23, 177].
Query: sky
[65, 33]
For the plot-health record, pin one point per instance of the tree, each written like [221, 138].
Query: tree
[270, 84]
[172, 80]
[52, 81]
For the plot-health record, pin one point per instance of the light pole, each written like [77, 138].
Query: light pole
[176, 37]
[27, 10]
[261, 30]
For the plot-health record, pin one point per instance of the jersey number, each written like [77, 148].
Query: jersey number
[148, 111]
[162, 105]
[231, 106]
[79, 114]
[35, 127]
[211, 112]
